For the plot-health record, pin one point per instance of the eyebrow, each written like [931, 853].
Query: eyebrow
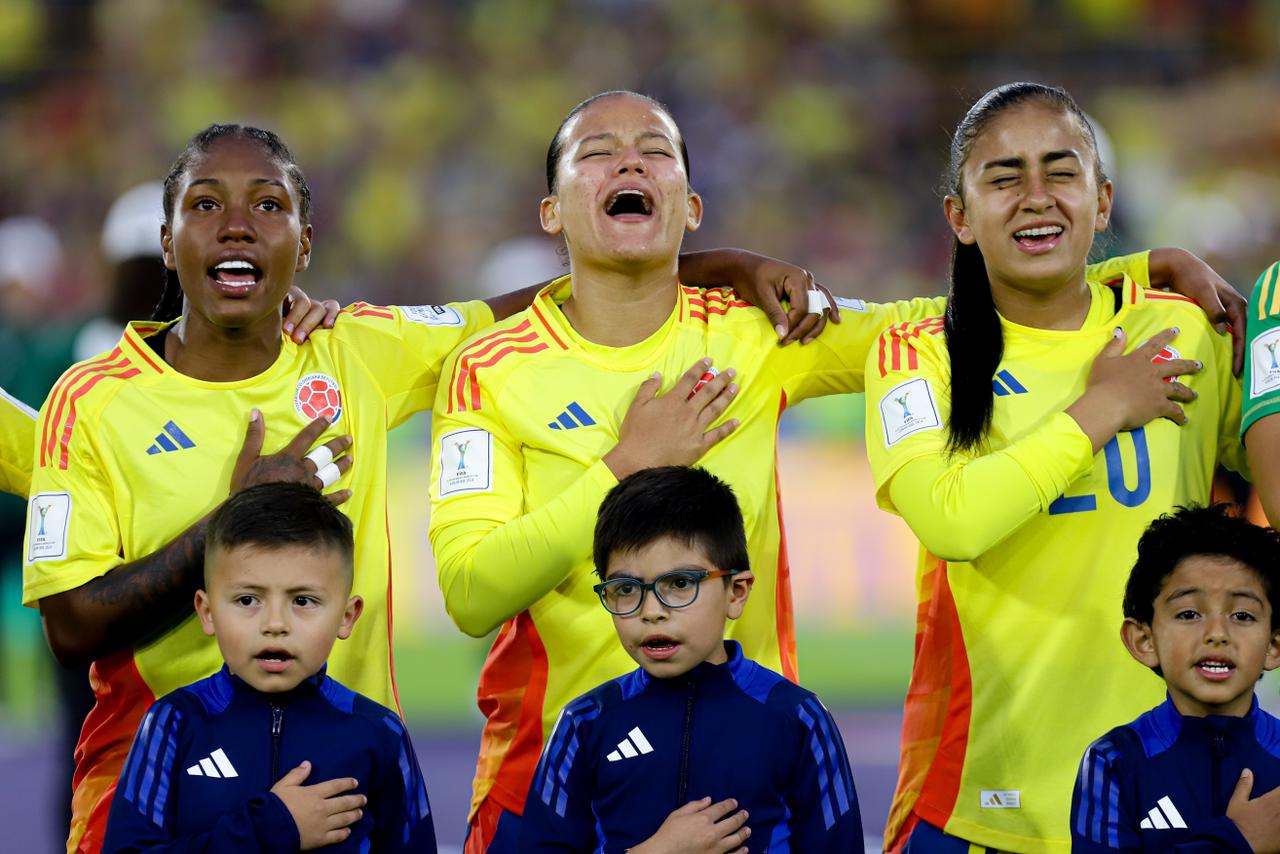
[1235, 594]
[1019, 162]
[649, 134]
[255, 182]
[258, 588]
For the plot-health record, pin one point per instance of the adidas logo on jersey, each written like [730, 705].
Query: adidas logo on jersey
[633, 745]
[1163, 816]
[1000, 799]
[574, 416]
[1003, 384]
[170, 439]
[216, 764]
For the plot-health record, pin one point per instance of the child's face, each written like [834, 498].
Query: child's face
[276, 612]
[669, 642]
[1210, 634]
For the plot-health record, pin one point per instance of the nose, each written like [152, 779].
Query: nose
[630, 161]
[276, 619]
[651, 609]
[1036, 197]
[1215, 629]
[235, 225]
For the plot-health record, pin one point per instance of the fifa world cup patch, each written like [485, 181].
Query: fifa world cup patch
[466, 462]
[850, 304]
[48, 519]
[318, 396]
[433, 315]
[908, 408]
[1264, 363]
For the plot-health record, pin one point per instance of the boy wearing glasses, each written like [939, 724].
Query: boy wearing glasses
[700, 749]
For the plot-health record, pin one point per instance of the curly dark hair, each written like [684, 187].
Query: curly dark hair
[1207, 531]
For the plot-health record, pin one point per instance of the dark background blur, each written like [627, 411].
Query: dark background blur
[817, 130]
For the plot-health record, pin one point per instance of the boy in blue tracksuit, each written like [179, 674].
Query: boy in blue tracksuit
[269, 754]
[701, 749]
[1199, 772]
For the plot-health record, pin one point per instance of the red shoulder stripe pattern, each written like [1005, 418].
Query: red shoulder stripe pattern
[364, 309]
[711, 301]
[72, 392]
[485, 352]
[142, 352]
[547, 326]
[58, 398]
[1168, 297]
[896, 351]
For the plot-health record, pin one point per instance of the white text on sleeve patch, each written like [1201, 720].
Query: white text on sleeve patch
[1264, 367]
[466, 462]
[47, 522]
[908, 408]
[433, 315]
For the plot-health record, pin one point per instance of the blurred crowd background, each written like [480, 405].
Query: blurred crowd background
[818, 132]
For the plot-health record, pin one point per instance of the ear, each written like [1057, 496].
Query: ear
[953, 210]
[203, 612]
[355, 607]
[1104, 207]
[166, 246]
[1140, 642]
[739, 590]
[549, 215]
[304, 249]
[693, 212]
[1272, 660]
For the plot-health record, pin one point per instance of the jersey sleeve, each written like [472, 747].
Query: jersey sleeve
[405, 347]
[1262, 359]
[494, 556]
[1105, 817]
[1135, 266]
[401, 814]
[835, 361]
[17, 441]
[73, 531]
[946, 498]
[822, 799]
[557, 811]
[144, 806]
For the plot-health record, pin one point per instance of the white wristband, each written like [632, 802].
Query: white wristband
[321, 457]
[329, 475]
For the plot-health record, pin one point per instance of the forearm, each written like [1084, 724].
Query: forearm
[948, 502]
[711, 267]
[505, 305]
[491, 570]
[129, 604]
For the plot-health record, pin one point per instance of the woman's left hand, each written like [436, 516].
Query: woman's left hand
[302, 314]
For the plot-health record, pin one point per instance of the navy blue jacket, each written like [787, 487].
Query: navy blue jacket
[1162, 782]
[624, 756]
[205, 757]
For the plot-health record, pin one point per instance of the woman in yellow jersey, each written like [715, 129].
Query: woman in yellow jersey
[1028, 450]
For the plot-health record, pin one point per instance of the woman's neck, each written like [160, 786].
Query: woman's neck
[1063, 306]
[618, 309]
[200, 350]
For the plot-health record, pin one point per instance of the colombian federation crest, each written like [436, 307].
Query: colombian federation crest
[1167, 354]
[318, 396]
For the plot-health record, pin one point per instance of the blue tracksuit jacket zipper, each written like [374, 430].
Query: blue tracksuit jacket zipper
[682, 790]
[277, 724]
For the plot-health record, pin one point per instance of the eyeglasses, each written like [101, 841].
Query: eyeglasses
[676, 589]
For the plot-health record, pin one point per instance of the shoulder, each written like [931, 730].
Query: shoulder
[1265, 299]
[362, 318]
[1150, 734]
[1266, 729]
[901, 346]
[720, 305]
[208, 696]
[491, 355]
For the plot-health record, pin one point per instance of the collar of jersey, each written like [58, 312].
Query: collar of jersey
[546, 307]
[306, 687]
[134, 346]
[1102, 314]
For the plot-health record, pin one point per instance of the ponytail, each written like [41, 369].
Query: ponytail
[170, 305]
[975, 345]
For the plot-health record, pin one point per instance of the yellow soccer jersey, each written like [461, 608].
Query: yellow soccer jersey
[1018, 662]
[130, 453]
[518, 435]
[17, 438]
